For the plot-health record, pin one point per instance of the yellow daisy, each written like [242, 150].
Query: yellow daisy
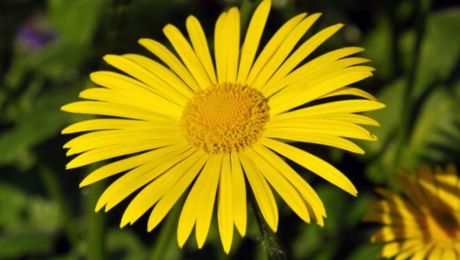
[423, 224]
[210, 123]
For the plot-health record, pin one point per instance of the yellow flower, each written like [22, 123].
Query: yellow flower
[425, 223]
[191, 120]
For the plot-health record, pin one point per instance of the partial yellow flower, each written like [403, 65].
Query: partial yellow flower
[424, 222]
[213, 122]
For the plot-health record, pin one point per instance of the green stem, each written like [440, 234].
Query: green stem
[95, 224]
[51, 184]
[269, 241]
[422, 8]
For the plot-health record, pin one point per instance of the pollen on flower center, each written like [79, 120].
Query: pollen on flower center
[225, 118]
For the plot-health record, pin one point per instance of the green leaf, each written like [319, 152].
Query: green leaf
[440, 51]
[42, 123]
[335, 201]
[28, 223]
[366, 251]
[23, 244]
[307, 242]
[76, 20]
[434, 137]
[124, 244]
[436, 134]
[12, 204]
[378, 48]
[44, 214]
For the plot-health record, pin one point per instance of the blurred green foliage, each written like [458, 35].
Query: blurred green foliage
[48, 48]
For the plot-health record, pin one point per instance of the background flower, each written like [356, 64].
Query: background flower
[425, 223]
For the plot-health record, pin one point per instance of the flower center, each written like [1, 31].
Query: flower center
[225, 118]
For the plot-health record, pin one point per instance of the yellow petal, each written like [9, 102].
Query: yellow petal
[306, 71]
[193, 204]
[391, 233]
[272, 46]
[186, 53]
[322, 139]
[153, 192]
[449, 253]
[224, 211]
[207, 197]
[436, 254]
[232, 40]
[171, 154]
[160, 179]
[299, 55]
[171, 60]
[295, 96]
[402, 206]
[114, 138]
[283, 50]
[106, 124]
[220, 52]
[170, 83]
[406, 254]
[115, 110]
[320, 74]
[312, 163]
[313, 202]
[122, 165]
[151, 175]
[422, 253]
[287, 192]
[391, 249]
[353, 118]
[348, 91]
[320, 63]
[165, 204]
[318, 126]
[252, 39]
[142, 74]
[387, 218]
[131, 87]
[331, 108]
[200, 46]
[111, 137]
[262, 192]
[148, 101]
[238, 194]
[108, 152]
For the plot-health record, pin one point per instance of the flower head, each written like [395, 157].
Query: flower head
[209, 123]
[424, 223]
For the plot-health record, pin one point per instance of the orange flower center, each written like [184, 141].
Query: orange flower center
[225, 118]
